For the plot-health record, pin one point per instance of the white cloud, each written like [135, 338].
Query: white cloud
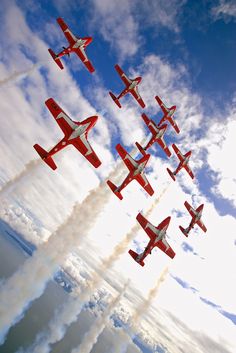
[160, 13]
[220, 144]
[121, 22]
[225, 9]
[115, 22]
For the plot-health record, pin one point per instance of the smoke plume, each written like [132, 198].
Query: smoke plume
[72, 308]
[30, 280]
[28, 168]
[91, 337]
[20, 74]
[139, 312]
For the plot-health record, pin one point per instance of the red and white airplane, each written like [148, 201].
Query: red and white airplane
[136, 169]
[157, 237]
[131, 87]
[76, 45]
[196, 219]
[184, 159]
[168, 114]
[75, 133]
[157, 134]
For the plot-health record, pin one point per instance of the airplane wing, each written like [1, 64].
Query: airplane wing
[136, 95]
[146, 225]
[164, 147]
[201, 225]
[163, 244]
[166, 248]
[62, 119]
[68, 34]
[177, 151]
[83, 146]
[186, 167]
[161, 141]
[142, 180]
[190, 209]
[83, 57]
[146, 119]
[128, 160]
[175, 126]
[123, 76]
[162, 105]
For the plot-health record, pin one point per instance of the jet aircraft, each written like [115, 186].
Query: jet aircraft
[157, 134]
[196, 219]
[75, 133]
[76, 45]
[131, 87]
[157, 237]
[136, 170]
[184, 159]
[168, 114]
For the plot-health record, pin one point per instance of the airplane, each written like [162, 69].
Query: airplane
[168, 114]
[76, 45]
[157, 237]
[196, 219]
[75, 133]
[157, 134]
[131, 87]
[136, 169]
[182, 164]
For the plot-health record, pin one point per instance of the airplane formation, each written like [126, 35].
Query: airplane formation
[76, 133]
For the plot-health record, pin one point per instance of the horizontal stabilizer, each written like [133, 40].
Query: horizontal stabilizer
[170, 173]
[115, 99]
[56, 58]
[114, 189]
[44, 155]
[134, 256]
[141, 149]
[183, 231]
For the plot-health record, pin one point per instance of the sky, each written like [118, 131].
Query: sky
[185, 53]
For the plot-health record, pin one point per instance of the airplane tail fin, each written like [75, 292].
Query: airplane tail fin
[44, 155]
[134, 256]
[115, 99]
[56, 58]
[114, 189]
[184, 231]
[171, 173]
[141, 149]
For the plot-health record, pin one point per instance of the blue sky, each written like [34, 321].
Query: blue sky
[185, 52]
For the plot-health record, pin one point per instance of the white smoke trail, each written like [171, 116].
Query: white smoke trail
[140, 310]
[17, 75]
[91, 337]
[28, 168]
[72, 308]
[30, 280]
